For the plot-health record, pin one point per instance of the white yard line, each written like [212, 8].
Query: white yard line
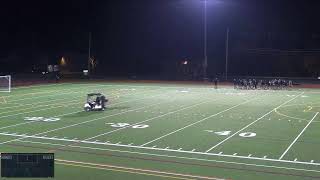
[49, 108]
[34, 86]
[187, 152]
[20, 104]
[221, 142]
[195, 86]
[4, 100]
[50, 91]
[63, 100]
[72, 125]
[156, 117]
[37, 106]
[35, 110]
[83, 90]
[196, 122]
[295, 140]
[80, 111]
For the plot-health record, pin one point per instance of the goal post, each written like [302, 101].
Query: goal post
[5, 83]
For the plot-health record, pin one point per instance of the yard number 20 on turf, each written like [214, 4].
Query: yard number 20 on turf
[49, 119]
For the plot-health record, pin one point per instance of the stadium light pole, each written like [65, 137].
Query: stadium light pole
[89, 52]
[205, 61]
[227, 53]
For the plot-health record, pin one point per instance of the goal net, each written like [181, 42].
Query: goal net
[5, 83]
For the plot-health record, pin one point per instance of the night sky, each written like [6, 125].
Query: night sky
[151, 37]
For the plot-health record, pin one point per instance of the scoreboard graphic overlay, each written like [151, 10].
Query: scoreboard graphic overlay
[27, 165]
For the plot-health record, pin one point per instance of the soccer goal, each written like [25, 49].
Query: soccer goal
[5, 83]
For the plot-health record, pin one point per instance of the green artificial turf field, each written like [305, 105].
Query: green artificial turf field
[166, 131]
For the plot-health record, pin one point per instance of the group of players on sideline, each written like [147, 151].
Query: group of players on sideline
[275, 84]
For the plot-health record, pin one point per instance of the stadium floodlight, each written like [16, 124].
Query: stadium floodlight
[5, 83]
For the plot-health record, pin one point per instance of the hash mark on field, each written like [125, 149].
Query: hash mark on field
[249, 155]
[154, 146]
[264, 157]
[220, 152]
[167, 147]
[235, 154]
[312, 161]
[170, 150]
[197, 122]
[193, 150]
[179, 149]
[274, 109]
[295, 140]
[295, 159]
[147, 120]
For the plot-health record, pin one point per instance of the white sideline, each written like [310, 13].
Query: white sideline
[151, 148]
[221, 142]
[295, 140]
[170, 156]
[198, 121]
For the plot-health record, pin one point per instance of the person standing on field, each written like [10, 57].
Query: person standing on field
[215, 81]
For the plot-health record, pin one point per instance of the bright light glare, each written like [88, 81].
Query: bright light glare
[63, 62]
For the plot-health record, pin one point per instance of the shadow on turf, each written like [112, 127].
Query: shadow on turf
[83, 113]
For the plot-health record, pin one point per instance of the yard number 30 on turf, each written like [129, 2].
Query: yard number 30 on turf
[121, 125]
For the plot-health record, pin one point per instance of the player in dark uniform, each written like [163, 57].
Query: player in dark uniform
[215, 81]
[255, 83]
[234, 83]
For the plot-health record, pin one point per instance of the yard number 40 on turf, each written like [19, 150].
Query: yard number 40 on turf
[244, 134]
